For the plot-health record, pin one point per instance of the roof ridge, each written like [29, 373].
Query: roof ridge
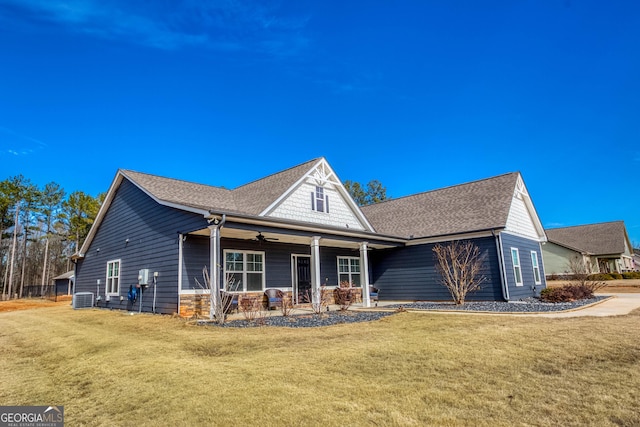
[278, 173]
[586, 225]
[440, 189]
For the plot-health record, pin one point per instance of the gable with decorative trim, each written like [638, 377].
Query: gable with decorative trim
[319, 198]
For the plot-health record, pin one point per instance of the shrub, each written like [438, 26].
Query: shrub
[566, 293]
[616, 276]
[343, 295]
[252, 308]
[631, 275]
[287, 305]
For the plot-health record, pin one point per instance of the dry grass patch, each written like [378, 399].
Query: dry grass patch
[31, 303]
[109, 368]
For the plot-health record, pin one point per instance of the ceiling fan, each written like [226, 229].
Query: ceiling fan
[262, 238]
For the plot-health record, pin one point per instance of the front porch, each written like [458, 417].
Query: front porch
[247, 259]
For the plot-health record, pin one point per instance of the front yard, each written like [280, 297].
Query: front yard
[111, 368]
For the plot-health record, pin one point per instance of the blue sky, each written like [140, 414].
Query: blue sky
[416, 94]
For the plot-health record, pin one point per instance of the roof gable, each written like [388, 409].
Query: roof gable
[523, 219]
[475, 206]
[339, 209]
[605, 238]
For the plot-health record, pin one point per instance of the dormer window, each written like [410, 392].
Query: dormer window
[319, 201]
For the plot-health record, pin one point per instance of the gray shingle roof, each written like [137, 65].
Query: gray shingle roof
[250, 199]
[475, 206]
[598, 239]
[184, 193]
[256, 196]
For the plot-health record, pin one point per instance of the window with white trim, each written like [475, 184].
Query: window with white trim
[245, 269]
[112, 284]
[349, 270]
[536, 267]
[517, 270]
[319, 201]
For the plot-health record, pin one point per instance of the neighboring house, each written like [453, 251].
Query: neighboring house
[636, 260]
[602, 247]
[64, 283]
[295, 231]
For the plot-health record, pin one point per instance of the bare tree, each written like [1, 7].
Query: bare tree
[582, 277]
[219, 307]
[459, 264]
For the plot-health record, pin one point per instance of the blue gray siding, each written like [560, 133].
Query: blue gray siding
[152, 230]
[524, 246]
[410, 273]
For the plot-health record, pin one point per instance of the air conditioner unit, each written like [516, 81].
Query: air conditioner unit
[82, 300]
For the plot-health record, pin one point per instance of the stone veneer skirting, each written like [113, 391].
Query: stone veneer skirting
[198, 305]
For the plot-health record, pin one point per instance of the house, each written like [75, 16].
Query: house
[636, 260]
[64, 283]
[602, 247]
[297, 230]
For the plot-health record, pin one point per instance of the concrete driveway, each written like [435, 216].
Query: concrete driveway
[619, 305]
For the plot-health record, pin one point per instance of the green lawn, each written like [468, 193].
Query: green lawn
[110, 368]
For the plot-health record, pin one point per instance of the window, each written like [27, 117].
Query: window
[319, 201]
[536, 267]
[113, 278]
[349, 270]
[246, 269]
[517, 271]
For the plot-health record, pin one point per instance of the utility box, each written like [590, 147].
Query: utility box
[143, 277]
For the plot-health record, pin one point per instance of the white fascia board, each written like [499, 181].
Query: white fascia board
[335, 181]
[120, 175]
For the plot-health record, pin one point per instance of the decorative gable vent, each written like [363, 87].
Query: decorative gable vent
[82, 300]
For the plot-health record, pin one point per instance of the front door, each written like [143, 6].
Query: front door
[301, 279]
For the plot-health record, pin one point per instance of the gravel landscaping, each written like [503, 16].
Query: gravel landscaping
[312, 320]
[531, 305]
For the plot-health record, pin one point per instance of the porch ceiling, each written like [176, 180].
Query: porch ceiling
[234, 233]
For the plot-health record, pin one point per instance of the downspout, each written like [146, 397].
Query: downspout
[503, 273]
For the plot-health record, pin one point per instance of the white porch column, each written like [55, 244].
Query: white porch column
[364, 274]
[315, 270]
[180, 262]
[214, 268]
